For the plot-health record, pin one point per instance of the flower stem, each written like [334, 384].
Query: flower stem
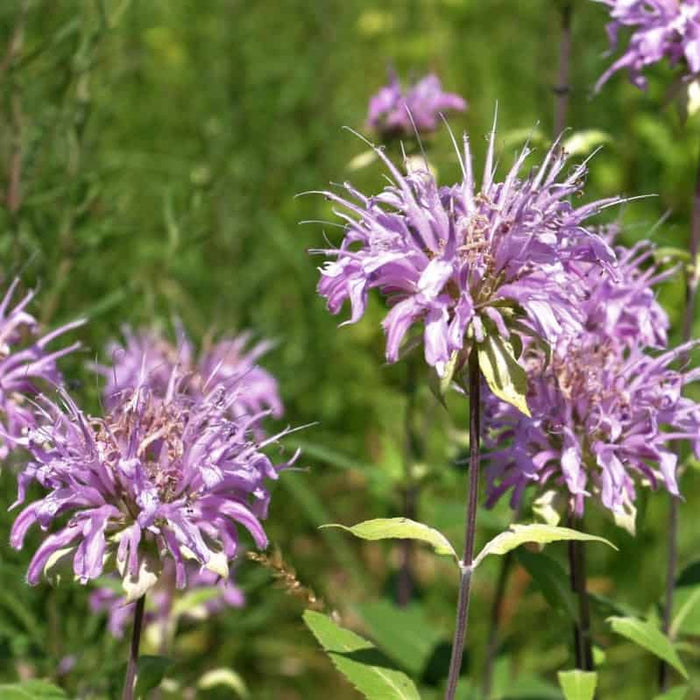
[131, 667]
[470, 531]
[583, 644]
[562, 89]
[691, 288]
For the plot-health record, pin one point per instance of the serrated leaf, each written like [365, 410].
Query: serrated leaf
[400, 529]
[536, 533]
[578, 685]
[680, 692]
[552, 580]
[505, 377]
[583, 142]
[31, 690]
[404, 634]
[360, 661]
[149, 673]
[224, 677]
[649, 637]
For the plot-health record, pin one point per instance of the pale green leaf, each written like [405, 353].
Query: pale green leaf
[193, 602]
[137, 585]
[536, 533]
[224, 677]
[680, 692]
[578, 685]
[360, 661]
[31, 690]
[400, 529]
[440, 385]
[362, 160]
[549, 506]
[505, 377]
[581, 143]
[649, 637]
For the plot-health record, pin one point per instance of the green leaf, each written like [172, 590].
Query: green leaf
[31, 690]
[578, 685]
[680, 692]
[400, 529]
[686, 611]
[505, 377]
[403, 633]
[224, 677]
[360, 661]
[146, 577]
[649, 637]
[552, 580]
[149, 673]
[194, 601]
[536, 533]
[440, 386]
[583, 142]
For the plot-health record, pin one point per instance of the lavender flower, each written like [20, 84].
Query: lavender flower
[162, 611]
[465, 262]
[604, 410]
[25, 364]
[389, 109]
[150, 354]
[660, 29]
[155, 478]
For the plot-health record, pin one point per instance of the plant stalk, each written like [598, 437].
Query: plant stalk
[691, 288]
[562, 89]
[583, 642]
[470, 531]
[131, 667]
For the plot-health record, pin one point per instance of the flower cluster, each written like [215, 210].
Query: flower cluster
[147, 355]
[162, 613]
[660, 29]
[25, 364]
[460, 259]
[605, 407]
[395, 112]
[157, 477]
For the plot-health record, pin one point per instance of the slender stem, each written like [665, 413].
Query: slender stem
[131, 667]
[496, 616]
[583, 643]
[562, 89]
[691, 288]
[470, 531]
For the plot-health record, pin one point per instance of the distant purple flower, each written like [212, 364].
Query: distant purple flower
[171, 476]
[604, 410]
[25, 364]
[147, 355]
[460, 260]
[161, 607]
[425, 100]
[660, 29]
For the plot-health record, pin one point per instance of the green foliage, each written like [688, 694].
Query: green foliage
[359, 661]
[150, 673]
[552, 580]
[578, 685]
[31, 690]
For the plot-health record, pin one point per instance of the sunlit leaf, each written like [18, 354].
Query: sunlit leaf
[400, 529]
[536, 533]
[31, 690]
[581, 143]
[224, 677]
[578, 685]
[649, 637]
[137, 585]
[505, 377]
[360, 661]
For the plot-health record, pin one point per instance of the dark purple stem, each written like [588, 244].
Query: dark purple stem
[132, 665]
[583, 643]
[691, 288]
[470, 531]
[562, 89]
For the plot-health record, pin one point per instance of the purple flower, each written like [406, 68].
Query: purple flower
[604, 409]
[162, 611]
[425, 101]
[155, 478]
[25, 364]
[660, 29]
[149, 354]
[462, 261]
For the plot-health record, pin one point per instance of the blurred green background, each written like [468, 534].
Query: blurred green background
[150, 154]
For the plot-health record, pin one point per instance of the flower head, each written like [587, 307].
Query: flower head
[157, 477]
[604, 409]
[394, 112]
[463, 261]
[660, 29]
[161, 613]
[25, 364]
